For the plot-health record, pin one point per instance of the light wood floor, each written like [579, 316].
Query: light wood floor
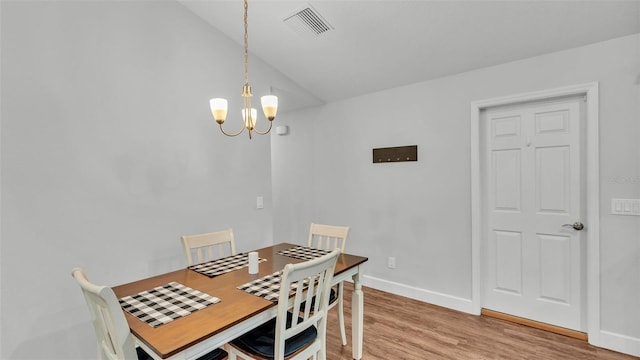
[398, 328]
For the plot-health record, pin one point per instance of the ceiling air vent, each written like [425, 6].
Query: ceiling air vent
[308, 22]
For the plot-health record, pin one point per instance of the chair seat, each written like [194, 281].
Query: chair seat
[217, 354]
[261, 340]
[333, 296]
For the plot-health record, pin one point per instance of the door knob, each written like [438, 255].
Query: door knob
[576, 225]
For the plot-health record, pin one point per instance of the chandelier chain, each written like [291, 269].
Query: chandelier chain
[246, 44]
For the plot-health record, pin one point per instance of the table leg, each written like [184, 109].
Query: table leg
[357, 317]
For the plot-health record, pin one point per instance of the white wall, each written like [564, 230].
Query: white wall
[419, 212]
[109, 154]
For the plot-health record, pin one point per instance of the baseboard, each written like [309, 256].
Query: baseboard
[431, 297]
[616, 342]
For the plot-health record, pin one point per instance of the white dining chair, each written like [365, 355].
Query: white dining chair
[115, 341]
[210, 246]
[330, 237]
[288, 336]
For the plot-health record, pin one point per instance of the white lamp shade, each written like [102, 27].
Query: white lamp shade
[250, 122]
[269, 106]
[218, 109]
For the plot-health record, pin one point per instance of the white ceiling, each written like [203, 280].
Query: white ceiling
[377, 45]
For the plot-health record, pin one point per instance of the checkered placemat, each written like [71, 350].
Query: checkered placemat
[268, 287]
[166, 303]
[303, 252]
[223, 265]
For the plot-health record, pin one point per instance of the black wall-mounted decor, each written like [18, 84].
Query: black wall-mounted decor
[395, 154]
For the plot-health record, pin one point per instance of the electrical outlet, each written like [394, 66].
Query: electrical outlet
[391, 262]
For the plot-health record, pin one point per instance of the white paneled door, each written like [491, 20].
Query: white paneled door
[533, 256]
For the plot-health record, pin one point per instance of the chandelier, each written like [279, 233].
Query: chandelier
[249, 114]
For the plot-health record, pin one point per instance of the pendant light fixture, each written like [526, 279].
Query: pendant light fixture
[249, 114]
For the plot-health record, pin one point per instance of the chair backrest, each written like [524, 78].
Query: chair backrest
[328, 237]
[114, 337]
[312, 282]
[312, 279]
[206, 247]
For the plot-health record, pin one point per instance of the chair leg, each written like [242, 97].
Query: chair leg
[235, 354]
[226, 347]
[101, 355]
[232, 354]
[343, 333]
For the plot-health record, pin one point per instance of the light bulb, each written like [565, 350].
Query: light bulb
[218, 109]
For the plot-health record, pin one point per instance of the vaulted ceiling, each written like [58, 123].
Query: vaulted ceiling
[376, 45]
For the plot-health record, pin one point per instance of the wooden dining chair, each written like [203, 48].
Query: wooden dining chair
[329, 237]
[115, 341]
[294, 334]
[210, 246]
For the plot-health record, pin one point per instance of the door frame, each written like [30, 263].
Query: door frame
[592, 266]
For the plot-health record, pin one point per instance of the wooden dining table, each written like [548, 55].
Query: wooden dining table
[237, 311]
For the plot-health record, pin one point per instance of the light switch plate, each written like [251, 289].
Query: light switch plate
[259, 202]
[625, 207]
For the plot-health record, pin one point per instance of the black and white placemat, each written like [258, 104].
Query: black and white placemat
[268, 287]
[303, 252]
[166, 303]
[223, 265]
